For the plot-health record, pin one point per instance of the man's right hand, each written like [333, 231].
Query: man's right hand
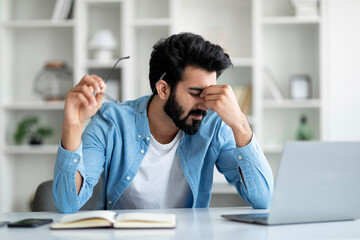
[80, 105]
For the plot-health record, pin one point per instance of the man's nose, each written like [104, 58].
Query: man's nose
[202, 104]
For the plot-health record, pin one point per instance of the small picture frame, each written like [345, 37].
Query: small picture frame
[300, 87]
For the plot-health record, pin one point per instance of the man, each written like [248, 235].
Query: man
[159, 151]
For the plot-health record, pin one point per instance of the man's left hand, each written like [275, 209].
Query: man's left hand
[221, 99]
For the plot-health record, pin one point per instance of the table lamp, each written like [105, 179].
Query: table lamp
[103, 44]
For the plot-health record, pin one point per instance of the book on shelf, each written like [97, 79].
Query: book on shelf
[62, 9]
[111, 219]
[243, 96]
[305, 8]
[306, 12]
[272, 85]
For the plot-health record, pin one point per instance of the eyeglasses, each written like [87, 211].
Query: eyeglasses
[161, 77]
[108, 97]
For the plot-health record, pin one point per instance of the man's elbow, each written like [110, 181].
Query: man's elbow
[264, 201]
[262, 204]
[61, 202]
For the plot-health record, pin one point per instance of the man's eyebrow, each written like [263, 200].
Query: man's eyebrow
[196, 89]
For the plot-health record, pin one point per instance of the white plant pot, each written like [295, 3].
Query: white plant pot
[103, 54]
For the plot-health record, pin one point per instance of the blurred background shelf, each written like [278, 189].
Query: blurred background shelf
[289, 103]
[31, 150]
[152, 22]
[39, 24]
[223, 188]
[273, 148]
[34, 105]
[291, 20]
[91, 63]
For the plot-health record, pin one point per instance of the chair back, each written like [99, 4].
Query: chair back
[43, 200]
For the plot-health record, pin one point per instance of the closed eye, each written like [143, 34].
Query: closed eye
[195, 94]
[195, 91]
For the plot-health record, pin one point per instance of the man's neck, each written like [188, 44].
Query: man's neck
[162, 127]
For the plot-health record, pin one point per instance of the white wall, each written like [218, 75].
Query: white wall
[342, 79]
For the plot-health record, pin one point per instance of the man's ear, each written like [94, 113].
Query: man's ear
[163, 89]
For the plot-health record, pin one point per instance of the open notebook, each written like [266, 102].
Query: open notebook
[110, 219]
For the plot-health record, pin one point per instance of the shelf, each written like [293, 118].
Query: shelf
[103, 64]
[26, 149]
[39, 24]
[291, 20]
[223, 188]
[242, 62]
[288, 103]
[104, 1]
[34, 105]
[273, 148]
[152, 22]
[241, 3]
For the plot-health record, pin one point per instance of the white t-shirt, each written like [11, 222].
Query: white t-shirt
[160, 181]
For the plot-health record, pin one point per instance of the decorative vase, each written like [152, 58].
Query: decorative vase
[304, 131]
[54, 81]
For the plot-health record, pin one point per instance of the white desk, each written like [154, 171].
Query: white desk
[191, 224]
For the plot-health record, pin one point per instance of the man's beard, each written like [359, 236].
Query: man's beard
[173, 109]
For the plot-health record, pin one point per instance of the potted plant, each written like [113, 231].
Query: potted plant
[29, 128]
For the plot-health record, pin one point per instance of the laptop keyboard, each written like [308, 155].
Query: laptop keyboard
[257, 216]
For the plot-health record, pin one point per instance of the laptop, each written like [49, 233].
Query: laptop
[316, 182]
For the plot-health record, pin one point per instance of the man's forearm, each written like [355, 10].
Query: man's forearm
[71, 137]
[242, 134]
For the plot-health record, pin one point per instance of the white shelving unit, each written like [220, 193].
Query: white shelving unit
[255, 33]
[28, 39]
[31, 150]
[289, 45]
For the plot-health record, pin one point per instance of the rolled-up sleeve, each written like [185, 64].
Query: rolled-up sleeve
[256, 186]
[64, 186]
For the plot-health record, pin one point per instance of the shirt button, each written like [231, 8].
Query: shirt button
[142, 151]
[128, 178]
[148, 138]
[110, 202]
[75, 160]
[139, 136]
[239, 157]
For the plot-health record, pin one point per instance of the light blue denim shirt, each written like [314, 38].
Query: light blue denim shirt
[117, 139]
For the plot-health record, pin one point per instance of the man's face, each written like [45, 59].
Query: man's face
[184, 105]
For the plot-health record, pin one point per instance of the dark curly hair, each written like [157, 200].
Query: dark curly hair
[173, 54]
